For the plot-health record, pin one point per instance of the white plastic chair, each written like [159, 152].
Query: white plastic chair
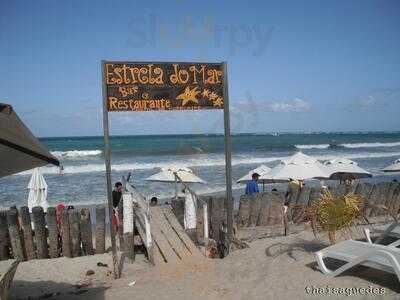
[354, 253]
[392, 230]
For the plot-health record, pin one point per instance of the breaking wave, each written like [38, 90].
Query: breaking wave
[369, 145]
[203, 161]
[311, 146]
[76, 153]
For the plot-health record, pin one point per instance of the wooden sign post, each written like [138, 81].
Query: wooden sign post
[160, 86]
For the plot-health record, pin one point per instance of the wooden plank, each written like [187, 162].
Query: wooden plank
[153, 255]
[39, 224]
[65, 235]
[157, 256]
[5, 242]
[264, 198]
[86, 232]
[218, 217]
[244, 211]
[254, 209]
[181, 232]
[27, 232]
[120, 231]
[199, 221]
[162, 242]
[75, 232]
[129, 237]
[100, 229]
[171, 235]
[52, 227]
[15, 234]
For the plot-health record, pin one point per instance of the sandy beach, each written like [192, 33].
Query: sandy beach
[281, 267]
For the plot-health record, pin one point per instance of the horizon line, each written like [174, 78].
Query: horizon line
[232, 134]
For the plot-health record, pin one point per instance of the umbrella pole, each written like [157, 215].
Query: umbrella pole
[176, 187]
[263, 186]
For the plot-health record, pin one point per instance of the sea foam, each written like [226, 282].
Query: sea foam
[313, 146]
[369, 145]
[76, 153]
[199, 161]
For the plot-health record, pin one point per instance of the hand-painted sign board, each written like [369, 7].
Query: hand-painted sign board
[137, 86]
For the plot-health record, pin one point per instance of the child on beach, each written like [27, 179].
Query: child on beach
[117, 195]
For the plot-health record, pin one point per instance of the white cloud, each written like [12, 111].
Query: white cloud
[370, 102]
[296, 105]
[379, 98]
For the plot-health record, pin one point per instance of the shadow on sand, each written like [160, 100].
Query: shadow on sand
[28, 290]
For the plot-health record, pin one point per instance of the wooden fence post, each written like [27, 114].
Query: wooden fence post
[15, 234]
[218, 216]
[75, 232]
[86, 232]
[4, 237]
[27, 232]
[39, 224]
[120, 217]
[51, 219]
[100, 229]
[129, 240]
[199, 222]
[128, 227]
[65, 235]
[244, 211]
[254, 209]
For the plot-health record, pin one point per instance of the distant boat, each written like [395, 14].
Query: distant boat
[275, 134]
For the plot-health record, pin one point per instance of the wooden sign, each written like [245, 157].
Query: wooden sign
[147, 86]
[132, 86]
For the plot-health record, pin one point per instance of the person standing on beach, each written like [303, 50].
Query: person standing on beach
[117, 195]
[252, 186]
[293, 188]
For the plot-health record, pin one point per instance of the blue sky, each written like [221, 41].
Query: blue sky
[293, 66]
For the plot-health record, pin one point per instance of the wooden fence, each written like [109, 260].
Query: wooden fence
[39, 235]
[265, 209]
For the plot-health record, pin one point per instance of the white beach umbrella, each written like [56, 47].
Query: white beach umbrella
[168, 175]
[394, 167]
[343, 168]
[261, 170]
[300, 167]
[37, 191]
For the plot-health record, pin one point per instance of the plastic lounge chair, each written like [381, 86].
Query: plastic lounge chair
[356, 253]
[392, 230]
[6, 279]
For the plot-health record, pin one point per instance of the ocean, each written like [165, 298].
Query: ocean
[83, 179]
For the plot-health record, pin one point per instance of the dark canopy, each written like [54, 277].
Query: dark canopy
[20, 150]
